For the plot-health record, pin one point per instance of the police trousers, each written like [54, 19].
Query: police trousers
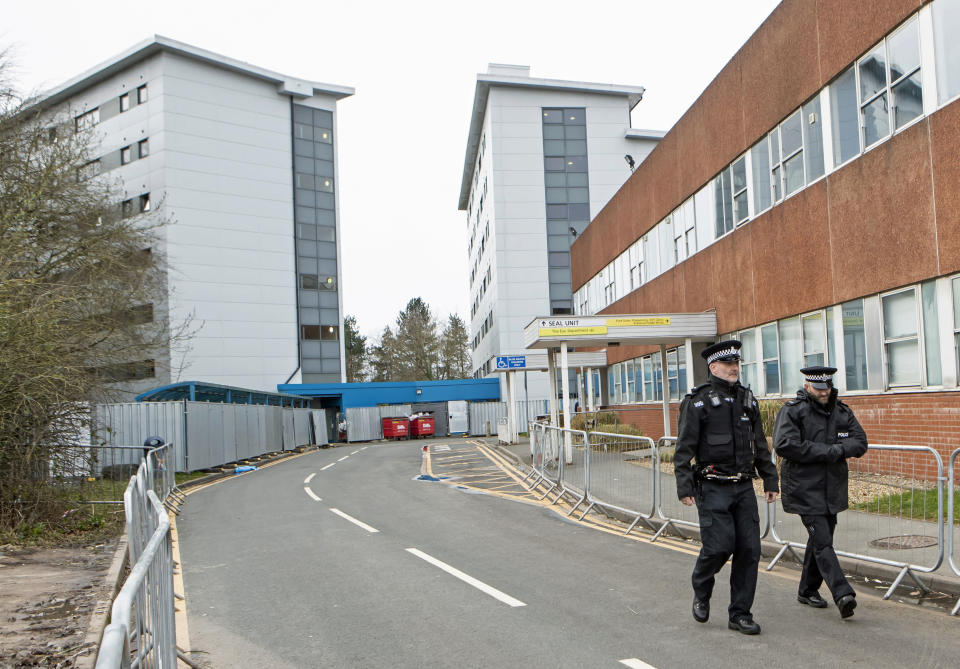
[729, 526]
[819, 560]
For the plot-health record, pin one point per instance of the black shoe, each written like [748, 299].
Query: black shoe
[847, 604]
[744, 624]
[814, 600]
[701, 610]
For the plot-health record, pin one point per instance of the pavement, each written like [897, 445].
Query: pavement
[631, 487]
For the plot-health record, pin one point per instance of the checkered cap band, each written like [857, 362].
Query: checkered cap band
[723, 353]
[819, 378]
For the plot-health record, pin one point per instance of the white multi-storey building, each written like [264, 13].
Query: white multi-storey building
[543, 158]
[241, 163]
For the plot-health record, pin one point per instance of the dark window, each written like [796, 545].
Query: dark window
[125, 155]
[128, 371]
[145, 202]
[141, 94]
[126, 208]
[329, 332]
[308, 281]
[328, 283]
[309, 332]
[143, 148]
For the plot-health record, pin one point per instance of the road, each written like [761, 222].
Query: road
[343, 558]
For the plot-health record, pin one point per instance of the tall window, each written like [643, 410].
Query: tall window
[854, 345]
[956, 322]
[946, 27]
[931, 333]
[748, 359]
[844, 116]
[787, 159]
[791, 354]
[813, 340]
[636, 264]
[723, 201]
[760, 174]
[771, 358]
[901, 341]
[891, 94]
[738, 188]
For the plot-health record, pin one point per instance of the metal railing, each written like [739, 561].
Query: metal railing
[626, 473]
[142, 632]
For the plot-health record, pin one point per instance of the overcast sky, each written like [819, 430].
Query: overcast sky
[414, 65]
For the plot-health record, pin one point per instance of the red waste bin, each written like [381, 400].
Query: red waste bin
[395, 428]
[421, 426]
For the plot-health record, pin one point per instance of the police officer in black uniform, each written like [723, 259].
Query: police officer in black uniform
[814, 435]
[720, 431]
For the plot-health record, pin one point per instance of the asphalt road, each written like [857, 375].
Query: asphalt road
[278, 573]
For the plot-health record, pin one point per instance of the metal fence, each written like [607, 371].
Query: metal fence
[143, 632]
[898, 517]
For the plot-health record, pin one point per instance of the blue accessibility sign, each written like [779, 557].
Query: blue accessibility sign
[511, 361]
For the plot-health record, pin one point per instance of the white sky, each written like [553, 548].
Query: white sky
[413, 64]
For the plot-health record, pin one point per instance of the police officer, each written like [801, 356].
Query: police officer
[814, 435]
[720, 431]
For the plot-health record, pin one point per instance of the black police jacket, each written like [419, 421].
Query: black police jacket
[814, 441]
[720, 426]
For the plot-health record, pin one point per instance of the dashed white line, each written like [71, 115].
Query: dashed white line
[634, 663]
[353, 520]
[355, 452]
[328, 466]
[309, 478]
[479, 585]
[343, 458]
[307, 490]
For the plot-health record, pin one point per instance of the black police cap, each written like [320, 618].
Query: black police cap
[722, 350]
[818, 376]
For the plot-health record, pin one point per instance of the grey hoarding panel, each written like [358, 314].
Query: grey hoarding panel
[301, 427]
[363, 424]
[484, 417]
[396, 411]
[319, 418]
[130, 423]
[288, 430]
[273, 430]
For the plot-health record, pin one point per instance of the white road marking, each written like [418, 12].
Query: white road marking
[355, 521]
[328, 466]
[343, 458]
[355, 452]
[479, 585]
[307, 490]
[309, 478]
[364, 448]
[634, 663]
[441, 447]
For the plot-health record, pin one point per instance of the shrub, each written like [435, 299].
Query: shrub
[579, 421]
[768, 414]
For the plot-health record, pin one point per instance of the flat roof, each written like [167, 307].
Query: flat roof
[620, 330]
[286, 84]
[200, 391]
[482, 91]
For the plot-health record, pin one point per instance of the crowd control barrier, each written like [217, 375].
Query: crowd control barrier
[621, 476]
[951, 521]
[862, 535]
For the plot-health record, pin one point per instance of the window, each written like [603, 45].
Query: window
[141, 94]
[143, 148]
[125, 155]
[956, 322]
[931, 333]
[890, 82]
[791, 355]
[813, 340]
[812, 139]
[124, 102]
[329, 333]
[127, 371]
[901, 341]
[724, 204]
[126, 208]
[144, 203]
[87, 120]
[679, 242]
[946, 25]
[844, 117]
[760, 174]
[328, 283]
[89, 170]
[788, 162]
[854, 345]
[325, 184]
[771, 358]
[324, 135]
[673, 374]
[309, 332]
[636, 265]
[749, 359]
[308, 281]
[741, 205]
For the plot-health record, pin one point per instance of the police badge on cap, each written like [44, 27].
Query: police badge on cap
[723, 350]
[819, 377]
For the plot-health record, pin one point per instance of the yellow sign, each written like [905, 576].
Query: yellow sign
[573, 332]
[634, 322]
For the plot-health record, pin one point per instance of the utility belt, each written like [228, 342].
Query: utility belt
[711, 473]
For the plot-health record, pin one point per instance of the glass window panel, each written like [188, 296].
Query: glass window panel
[577, 179]
[553, 132]
[325, 234]
[555, 179]
[657, 378]
[791, 354]
[303, 131]
[873, 74]
[904, 49]
[791, 136]
[844, 117]
[907, 100]
[575, 132]
[774, 146]
[741, 207]
[578, 195]
[813, 139]
[854, 345]
[793, 174]
[831, 338]
[575, 147]
[903, 363]
[553, 116]
[579, 212]
[946, 27]
[812, 334]
[682, 369]
[574, 116]
[647, 379]
[329, 332]
[768, 334]
[576, 164]
[553, 147]
[876, 121]
[557, 211]
[748, 341]
[900, 315]
[556, 195]
[771, 366]
[559, 260]
[931, 333]
[322, 151]
[739, 171]
[672, 382]
[307, 231]
[760, 172]
[325, 184]
[303, 147]
[771, 372]
[305, 181]
[322, 118]
[956, 303]
[775, 181]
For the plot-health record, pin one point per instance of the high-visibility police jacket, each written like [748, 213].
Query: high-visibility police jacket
[720, 426]
[814, 441]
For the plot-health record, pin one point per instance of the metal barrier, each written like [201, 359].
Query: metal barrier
[143, 630]
[620, 474]
[552, 463]
[678, 514]
[951, 521]
[893, 527]
[575, 468]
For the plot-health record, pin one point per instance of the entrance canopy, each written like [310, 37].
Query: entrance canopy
[608, 330]
[537, 362]
[621, 330]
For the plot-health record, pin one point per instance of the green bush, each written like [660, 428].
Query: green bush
[768, 414]
[579, 421]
